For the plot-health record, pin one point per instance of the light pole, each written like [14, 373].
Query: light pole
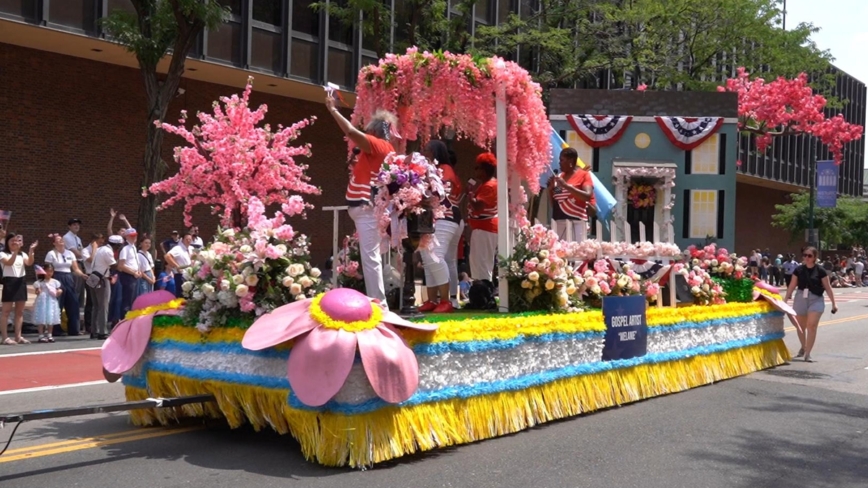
[812, 177]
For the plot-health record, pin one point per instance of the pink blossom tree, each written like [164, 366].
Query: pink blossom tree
[230, 159]
[782, 107]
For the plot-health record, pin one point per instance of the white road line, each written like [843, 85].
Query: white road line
[37, 353]
[54, 387]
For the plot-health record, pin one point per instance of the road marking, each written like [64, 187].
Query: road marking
[37, 353]
[54, 387]
[837, 321]
[39, 447]
[91, 442]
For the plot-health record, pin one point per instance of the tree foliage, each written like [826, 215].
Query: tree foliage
[846, 223]
[666, 44]
[156, 27]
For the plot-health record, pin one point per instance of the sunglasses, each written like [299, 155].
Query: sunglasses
[807, 255]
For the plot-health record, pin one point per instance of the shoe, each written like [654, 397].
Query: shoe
[93, 336]
[43, 339]
[444, 307]
[102, 337]
[22, 340]
[800, 354]
[428, 306]
[51, 339]
[9, 342]
[808, 359]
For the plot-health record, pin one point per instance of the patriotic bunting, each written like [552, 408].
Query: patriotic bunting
[599, 130]
[688, 132]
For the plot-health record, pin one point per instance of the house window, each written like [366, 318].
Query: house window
[586, 152]
[703, 213]
[705, 159]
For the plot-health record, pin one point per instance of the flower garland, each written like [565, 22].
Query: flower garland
[462, 99]
[642, 196]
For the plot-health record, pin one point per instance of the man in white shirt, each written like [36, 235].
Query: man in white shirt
[197, 242]
[128, 270]
[178, 258]
[101, 258]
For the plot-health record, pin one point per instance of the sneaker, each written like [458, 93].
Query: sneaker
[428, 306]
[50, 339]
[444, 307]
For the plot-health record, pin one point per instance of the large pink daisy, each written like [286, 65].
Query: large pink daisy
[328, 329]
[129, 339]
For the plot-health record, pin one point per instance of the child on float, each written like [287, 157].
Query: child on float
[46, 310]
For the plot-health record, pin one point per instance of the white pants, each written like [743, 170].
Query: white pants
[452, 261]
[579, 229]
[438, 272]
[369, 248]
[483, 248]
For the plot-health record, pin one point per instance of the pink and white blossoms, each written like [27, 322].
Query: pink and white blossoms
[231, 158]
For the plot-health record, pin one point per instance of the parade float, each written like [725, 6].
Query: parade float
[356, 384]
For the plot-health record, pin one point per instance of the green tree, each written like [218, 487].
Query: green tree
[846, 223]
[156, 27]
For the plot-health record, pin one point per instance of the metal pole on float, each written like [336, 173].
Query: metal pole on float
[504, 246]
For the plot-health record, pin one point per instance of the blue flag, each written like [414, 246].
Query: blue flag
[605, 201]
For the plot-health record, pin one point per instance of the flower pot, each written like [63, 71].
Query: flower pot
[420, 223]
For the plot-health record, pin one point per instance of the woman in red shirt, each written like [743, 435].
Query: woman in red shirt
[482, 218]
[441, 263]
[375, 146]
[571, 192]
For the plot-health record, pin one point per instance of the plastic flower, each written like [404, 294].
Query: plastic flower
[129, 339]
[329, 329]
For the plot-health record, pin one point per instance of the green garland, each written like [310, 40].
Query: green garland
[736, 290]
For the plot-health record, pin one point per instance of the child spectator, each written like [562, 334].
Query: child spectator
[46, 311]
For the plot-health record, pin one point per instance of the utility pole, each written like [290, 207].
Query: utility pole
[812, 177]
[784, 16]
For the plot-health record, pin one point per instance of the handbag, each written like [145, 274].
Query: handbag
[94, 280]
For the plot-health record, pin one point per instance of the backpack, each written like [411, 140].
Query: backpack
[481, 296]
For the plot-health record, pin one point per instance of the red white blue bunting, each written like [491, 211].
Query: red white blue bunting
[688, 132]
[599, 130]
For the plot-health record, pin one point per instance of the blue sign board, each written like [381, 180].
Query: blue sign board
[827, 184]
[626, 327]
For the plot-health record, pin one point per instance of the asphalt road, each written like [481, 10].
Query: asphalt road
[797, 425]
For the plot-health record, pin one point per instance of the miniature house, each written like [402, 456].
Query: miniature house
[666, 157]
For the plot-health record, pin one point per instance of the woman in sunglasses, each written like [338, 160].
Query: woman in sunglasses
[812, 281]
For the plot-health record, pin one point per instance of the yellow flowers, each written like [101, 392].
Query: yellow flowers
[174, 304]
[318, 314]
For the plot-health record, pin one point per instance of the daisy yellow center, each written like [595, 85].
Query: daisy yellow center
[176, 303]
[319, 315]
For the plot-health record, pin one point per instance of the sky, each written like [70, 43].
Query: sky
[843, 31]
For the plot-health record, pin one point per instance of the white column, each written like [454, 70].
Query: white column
[503, 229]
[335, 216]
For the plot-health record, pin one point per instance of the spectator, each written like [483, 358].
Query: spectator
[111, 221]
[102, 262]
[177, 260]
[197, 242]
[116, 242]
[65, 271]
[73, 243]
[14, 294]
[789, 266]
[128, 270]
[171, 242]
[165, 279]
[46, 310]
[464, 287]
[146, 266]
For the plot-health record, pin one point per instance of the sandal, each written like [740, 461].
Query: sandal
[23, 341]
[51, 339]
[9, 342]
[43, 339]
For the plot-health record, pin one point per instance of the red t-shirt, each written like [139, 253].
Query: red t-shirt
[454, 196]
[569, 206]
[368, 164]
[485, 219]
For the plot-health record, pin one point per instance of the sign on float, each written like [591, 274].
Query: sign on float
[626, 327]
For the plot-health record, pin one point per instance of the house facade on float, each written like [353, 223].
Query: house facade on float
[666, 157]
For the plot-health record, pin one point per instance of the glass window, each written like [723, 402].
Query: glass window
[304, 18]
[267, 11]
[234, 5]
[703, 213]
[586, 152]
[483, 11]
[340, 31]
[341, 68]
[266, 50]
[22, 8]
[120, 5]
[705, 159]
[225, 43]
[367, 60]
[504, 8]
[80, 14]
[304, 59]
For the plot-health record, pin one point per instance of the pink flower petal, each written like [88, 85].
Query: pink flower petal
[390, 365]
[395, 319]
[126, 344]
[158, 297]
[320, 363]
[780, 305]
[276, 327]
[756, 294]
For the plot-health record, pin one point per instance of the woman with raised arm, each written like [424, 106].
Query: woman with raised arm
[375, 145]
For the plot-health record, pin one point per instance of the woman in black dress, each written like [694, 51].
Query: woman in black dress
[13, 259]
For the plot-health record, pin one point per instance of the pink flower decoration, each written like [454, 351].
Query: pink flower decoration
[129, 339]
[642, 87]
[329, 329]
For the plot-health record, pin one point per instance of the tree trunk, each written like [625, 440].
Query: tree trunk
[153, 172]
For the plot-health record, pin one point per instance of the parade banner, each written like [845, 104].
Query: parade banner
[827, 184]
[626, 327]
